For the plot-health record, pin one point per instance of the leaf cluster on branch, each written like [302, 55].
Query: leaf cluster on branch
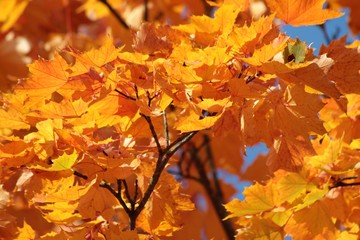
[126, 124]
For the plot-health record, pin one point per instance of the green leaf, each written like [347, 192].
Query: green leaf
[63, 162]
[295, 52]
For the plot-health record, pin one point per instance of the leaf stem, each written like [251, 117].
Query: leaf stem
[117, 195]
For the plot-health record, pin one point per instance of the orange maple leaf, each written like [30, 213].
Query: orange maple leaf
[305, 12]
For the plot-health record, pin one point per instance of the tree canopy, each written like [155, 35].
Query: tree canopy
[118, 118]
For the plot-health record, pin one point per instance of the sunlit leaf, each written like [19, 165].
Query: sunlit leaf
[308, 12]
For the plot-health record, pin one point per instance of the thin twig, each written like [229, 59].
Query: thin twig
[136, 91]
[153, 132]
[117, 195]
[166, 129]
[80, 175]
[146, 12]
[124, 95]
[325, 33]
[342, 184]
[115, 13]
[127, 193]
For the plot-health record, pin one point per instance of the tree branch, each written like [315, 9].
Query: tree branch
[166, 129]
[216, 200]
[343, 184]
[80, 175]
[185, 176]
[160, 165]
[117, 195]
[146, 11]
[115, 13]
[124, 95]
[325, 33]
[153, 132]
[210, 157]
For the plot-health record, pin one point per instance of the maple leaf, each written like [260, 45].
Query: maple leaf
[12, 119]
[63, 162]
[296, 13]
[89, 138]
[95, 58]
[258, 199]
[345, 70]
[193, 122]
[26, 232]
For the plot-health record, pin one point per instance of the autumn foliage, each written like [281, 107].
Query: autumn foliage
[122, 120]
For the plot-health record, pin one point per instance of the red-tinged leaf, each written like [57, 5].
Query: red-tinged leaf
[295, 73]
[16, 154]
[345, 70]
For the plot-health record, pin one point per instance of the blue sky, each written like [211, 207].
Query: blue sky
[314, 35]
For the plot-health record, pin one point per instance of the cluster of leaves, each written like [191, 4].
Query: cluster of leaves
[89, 139]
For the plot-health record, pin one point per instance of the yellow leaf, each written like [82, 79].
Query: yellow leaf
[66, 193]
[11, 10]
[261, 229]
[266, 52]
[222, 22]
[330, 155]
[192, 122]
[292, 186]
[61, 212]
[314, 195]
[12, 119]
[65, 108]
[63, 162]
[258, 198]
[26, 232]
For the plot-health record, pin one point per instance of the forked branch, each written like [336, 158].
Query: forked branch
[164, 156]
